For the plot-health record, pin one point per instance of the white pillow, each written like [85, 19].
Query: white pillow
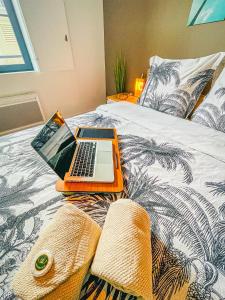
[211, 112]
[174, 86]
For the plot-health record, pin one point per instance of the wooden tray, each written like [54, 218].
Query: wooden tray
[68, 188]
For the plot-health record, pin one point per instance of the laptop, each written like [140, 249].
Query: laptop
[74, 160]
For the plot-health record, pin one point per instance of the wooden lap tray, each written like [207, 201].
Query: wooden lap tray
[97, 187]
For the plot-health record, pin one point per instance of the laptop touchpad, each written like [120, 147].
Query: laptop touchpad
[104, 157]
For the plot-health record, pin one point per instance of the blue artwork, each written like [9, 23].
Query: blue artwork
[206, 11]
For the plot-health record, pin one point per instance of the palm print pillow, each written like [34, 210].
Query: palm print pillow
[174, 86]
[211, 112]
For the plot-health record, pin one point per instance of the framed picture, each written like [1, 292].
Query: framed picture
[206, 11]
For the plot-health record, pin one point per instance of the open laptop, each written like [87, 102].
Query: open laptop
[82, 160]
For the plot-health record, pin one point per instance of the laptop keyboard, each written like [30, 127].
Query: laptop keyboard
[85, 160]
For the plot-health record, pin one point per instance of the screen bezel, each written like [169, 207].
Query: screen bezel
[56, 115]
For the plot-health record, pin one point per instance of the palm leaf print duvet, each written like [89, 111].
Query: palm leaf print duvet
[173, 167]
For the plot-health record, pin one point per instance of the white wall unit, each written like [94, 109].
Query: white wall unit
[49, 33]
[72, 91]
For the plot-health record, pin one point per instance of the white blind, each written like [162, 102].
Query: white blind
[2, 7]
[9, 49]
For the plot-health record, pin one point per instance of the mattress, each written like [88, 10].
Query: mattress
[172, 167]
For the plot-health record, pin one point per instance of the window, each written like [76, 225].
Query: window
[14, 56]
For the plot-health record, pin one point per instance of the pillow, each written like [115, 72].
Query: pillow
[211, 112]
[174, 86]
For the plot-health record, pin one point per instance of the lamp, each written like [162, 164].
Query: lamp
[139, 86]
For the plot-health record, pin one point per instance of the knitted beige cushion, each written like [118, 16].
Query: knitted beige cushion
[71, 238]
[123, 256]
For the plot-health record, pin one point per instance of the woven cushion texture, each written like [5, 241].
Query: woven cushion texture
[71, 237]
[123, 256]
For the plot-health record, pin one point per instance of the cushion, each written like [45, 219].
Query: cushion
[174, 86]
[211, 112]
[70, 241]
[123, 256]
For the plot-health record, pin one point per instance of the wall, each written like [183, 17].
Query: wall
[169, 35]
[161, 29]
[71, 91]
[125, 27]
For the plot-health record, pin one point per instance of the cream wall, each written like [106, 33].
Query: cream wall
[148, 27]
[71, 91]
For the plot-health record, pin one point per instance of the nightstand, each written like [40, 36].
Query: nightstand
[122, 97]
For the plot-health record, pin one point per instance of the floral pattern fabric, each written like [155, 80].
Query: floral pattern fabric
[181, 186]
[211, 112]
[174, 86]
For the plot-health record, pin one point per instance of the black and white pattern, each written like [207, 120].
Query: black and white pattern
[174, 86]
[211, 112]
[181, 186]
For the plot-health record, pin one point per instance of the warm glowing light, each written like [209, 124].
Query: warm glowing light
[139, 86]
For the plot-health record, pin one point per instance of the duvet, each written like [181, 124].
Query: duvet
[172, 167]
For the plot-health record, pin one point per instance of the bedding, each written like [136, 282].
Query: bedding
[174, 86]
[172, 167]
[211, 112]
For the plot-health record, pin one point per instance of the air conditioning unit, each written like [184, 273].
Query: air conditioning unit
[19, 112]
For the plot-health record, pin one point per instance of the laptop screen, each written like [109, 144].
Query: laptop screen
[56, 144]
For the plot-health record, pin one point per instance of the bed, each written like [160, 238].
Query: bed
[173, 167]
